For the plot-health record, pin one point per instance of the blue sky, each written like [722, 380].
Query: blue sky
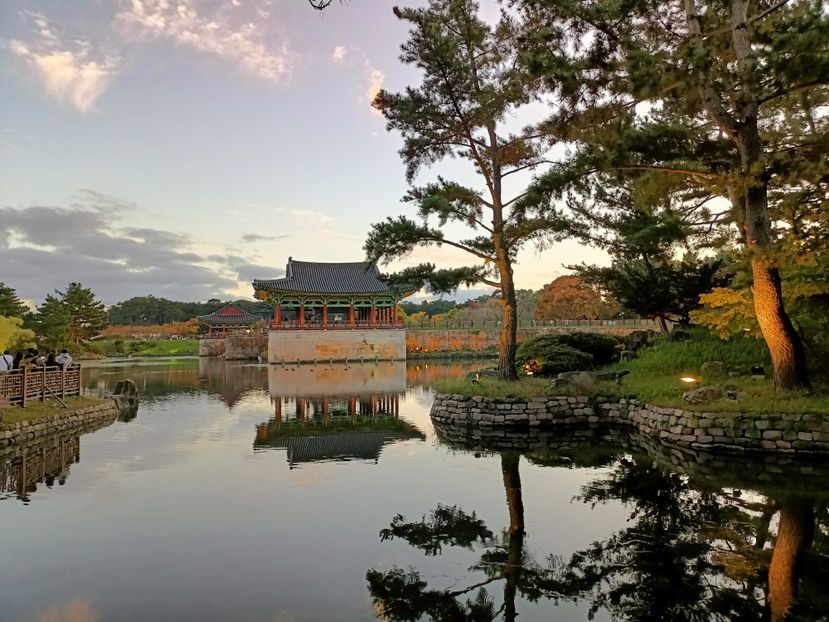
[181, 148]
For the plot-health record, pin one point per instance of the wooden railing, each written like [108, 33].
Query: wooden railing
[319, 325]
[427, 324]
[20, 386]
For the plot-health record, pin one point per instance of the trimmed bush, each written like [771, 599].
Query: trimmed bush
[603, 348]
[545, 356]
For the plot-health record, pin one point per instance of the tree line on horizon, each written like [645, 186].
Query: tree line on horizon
[687, 139]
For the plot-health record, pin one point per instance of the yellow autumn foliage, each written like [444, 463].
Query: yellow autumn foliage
[13, 336]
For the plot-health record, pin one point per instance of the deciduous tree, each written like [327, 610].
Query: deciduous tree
[568, 297]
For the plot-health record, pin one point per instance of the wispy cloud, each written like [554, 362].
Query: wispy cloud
[339, 54]
[214, 33]
[376, 80]
[70, 72]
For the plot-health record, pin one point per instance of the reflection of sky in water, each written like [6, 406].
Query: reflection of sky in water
[175, 516]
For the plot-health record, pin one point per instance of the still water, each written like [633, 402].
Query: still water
[245, 492]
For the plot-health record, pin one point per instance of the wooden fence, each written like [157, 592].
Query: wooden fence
[20, 386]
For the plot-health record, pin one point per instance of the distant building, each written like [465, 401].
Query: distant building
[332, 312]
[229, 319]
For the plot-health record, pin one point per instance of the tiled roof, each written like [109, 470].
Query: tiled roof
[308, 277]
[230, 314]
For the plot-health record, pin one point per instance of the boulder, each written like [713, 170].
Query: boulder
[126, 394]
[627, 355]
[679, 335]
[638, 339]
[716, 367]
[577, 381]
[703, 394]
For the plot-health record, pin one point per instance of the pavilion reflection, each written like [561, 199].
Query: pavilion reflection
[230, 381]
[335, 412]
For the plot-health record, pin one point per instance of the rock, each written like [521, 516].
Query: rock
[703, 394]
[715, 367]
[126, 395]
[627, 355]
[577, 381]
[638, 339]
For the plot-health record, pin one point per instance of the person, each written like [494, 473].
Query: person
[38, 359]
[50, 360]
[18, 358]
[63, 359]
[6, 362]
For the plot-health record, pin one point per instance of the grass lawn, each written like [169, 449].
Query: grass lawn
[38, 410]
[166, 347]
[655, 379]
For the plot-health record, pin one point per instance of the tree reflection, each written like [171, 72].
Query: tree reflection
[404, 596]
[691, 551]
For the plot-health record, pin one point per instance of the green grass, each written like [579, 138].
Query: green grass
[655, 377]
[127, 347]
[35, 410]
[524, 388]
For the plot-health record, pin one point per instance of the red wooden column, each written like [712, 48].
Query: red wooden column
[277, 314]
[302, 314]
[351, 313]
[324, 312]
[300, 409]
[373, 313]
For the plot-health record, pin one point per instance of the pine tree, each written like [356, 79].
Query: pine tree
[471, 84]
[721, 96]
[70, 317]
[10, 303]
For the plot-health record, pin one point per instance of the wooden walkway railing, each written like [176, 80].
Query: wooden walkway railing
[20, 386]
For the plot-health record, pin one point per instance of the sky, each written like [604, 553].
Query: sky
[181, 148]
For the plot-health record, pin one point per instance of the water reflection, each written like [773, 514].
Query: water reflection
[696, 545]
[335, 413]
[44, 462]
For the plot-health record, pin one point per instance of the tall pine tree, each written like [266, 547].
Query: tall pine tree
[471, 88]
[723, 96]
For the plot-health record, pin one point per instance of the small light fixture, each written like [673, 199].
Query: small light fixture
[689, 379]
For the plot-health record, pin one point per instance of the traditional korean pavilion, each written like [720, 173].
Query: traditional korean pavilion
[332, 311]
[229, 319]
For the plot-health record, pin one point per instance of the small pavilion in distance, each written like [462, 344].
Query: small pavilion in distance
[332, 312]
[229, 319]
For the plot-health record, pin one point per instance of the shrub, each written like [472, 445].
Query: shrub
[603, 348]
[546, 356]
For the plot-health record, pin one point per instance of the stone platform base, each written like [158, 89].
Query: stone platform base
[322, 345]
[96, 415]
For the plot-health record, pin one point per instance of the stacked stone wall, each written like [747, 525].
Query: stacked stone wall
[732, 432]
[313, 345]
[472, 339]
[72, 420]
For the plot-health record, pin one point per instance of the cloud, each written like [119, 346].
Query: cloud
[376, 79]
[44, 247]
[339, 54]
[68, 71]
[256, 237]
[182, 23]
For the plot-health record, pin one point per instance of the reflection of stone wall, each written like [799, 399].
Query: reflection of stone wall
[338, 379]
[733, 432]
[308, 346]
[234, 347]
[431, 340]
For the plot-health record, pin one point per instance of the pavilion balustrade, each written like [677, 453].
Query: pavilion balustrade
[20, 386]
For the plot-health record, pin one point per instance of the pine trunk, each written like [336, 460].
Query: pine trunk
[515, 534]
[507, 344]
[787, 355]
[794, 536]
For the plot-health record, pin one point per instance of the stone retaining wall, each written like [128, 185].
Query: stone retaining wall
[15, 433]
[732, 432]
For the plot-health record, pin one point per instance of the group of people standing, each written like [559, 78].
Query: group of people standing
[33, 358]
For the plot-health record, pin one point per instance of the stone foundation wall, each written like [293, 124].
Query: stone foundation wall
[95, 415]
[731, 432]
[234, 347]
[309, 346]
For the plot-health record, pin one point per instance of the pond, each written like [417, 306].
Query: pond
[247, 492]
